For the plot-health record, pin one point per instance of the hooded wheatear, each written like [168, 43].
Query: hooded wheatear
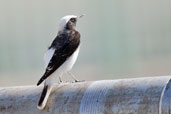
[60, 56]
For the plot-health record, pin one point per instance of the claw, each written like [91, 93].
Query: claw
[79, 81]
[73, 77]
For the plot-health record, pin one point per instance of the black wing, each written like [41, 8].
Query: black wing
[64, 45]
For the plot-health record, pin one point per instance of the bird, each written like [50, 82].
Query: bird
[60, 56]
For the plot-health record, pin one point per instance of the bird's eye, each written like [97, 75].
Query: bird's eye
[73, 20]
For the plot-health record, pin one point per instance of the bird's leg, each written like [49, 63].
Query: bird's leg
[73, 77]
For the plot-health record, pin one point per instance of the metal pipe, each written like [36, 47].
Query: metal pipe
[149, 95]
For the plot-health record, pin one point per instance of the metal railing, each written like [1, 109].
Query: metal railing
[149, 95]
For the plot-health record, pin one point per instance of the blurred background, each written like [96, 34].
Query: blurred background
[119, 38]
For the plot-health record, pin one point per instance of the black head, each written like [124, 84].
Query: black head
[71, 24]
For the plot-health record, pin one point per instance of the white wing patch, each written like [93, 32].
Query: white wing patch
[48, 55]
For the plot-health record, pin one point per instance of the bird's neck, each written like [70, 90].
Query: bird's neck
[67, 31]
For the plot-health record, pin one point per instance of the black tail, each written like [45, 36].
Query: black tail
[42, 97]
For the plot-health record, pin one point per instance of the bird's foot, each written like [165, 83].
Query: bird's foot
[73, 77]
[75, 81]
